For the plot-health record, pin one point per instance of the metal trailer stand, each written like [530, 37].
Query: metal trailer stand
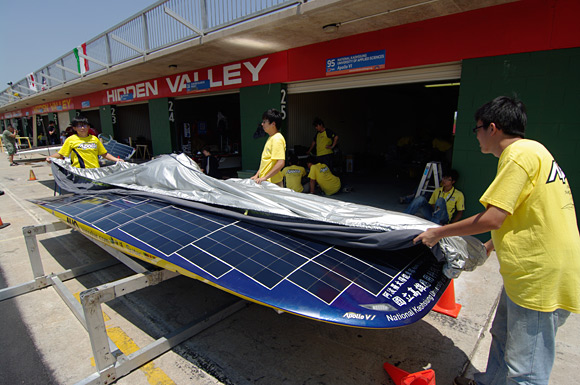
[42, 280]
[111, 363]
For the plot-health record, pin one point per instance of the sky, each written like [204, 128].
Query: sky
[33, 33]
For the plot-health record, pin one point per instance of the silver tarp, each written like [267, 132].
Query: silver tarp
[180, 177]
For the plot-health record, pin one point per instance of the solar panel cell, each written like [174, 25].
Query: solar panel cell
[212, 247]
[302, 279]
[282, 266]
[232, 258]
[73, 210]
[268, 278]
[121, 218]
[324, 291]
[106, 225]
[98, 213]
[250, 268]
[217, 268]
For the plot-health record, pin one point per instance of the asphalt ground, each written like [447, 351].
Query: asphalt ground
[41, 342]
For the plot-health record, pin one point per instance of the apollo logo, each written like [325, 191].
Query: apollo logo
[351, 315]
[87, 146]
[556, 172]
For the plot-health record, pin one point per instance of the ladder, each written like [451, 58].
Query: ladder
[432, 169]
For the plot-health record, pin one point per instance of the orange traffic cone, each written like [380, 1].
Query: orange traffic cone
[447, 304]
[32, 176]
[2, 225]
[400, 377]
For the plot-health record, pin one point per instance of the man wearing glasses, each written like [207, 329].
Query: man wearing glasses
[530, 212]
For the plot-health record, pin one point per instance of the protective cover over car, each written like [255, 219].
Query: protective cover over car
[179, 180]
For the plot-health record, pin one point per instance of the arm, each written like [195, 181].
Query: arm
[457, 217]
[489, 246]
[277, 167]
[311, 147]
[312, 186]
[334, 142]
[491, 219]
[56, 155]
[112, 158]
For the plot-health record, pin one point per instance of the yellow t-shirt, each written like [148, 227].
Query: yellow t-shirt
[323, 139]
[454, 200]
[293, 175]
[274, 150]
[329, 183]
[538, 245]
[89, 148]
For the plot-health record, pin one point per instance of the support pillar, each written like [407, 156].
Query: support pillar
[253, 102]
[163, 133]
[108, 115]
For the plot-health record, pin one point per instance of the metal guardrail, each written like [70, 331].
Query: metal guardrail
[163, 24]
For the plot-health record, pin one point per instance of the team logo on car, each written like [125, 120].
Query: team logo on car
[351, 315]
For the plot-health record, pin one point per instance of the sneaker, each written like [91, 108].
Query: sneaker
[463, 381]
[14, 164]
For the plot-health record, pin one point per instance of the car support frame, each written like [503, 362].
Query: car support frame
[111, 363]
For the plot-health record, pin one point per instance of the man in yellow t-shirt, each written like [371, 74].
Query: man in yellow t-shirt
[446, 204]
[84, 149]
[320, 174]
[325, 141]
[293, 175]
[530, 212]
[274, 153]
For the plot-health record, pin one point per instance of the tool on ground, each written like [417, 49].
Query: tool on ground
[400, 377]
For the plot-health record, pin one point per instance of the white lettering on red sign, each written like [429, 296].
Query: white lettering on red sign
[230, 75]
[139, 90]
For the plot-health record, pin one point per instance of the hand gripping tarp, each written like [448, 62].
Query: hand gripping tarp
[178, 179]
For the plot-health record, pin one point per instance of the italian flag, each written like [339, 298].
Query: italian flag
[82, 63]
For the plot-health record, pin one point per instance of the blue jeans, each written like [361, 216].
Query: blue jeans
[438, 214]
[523, 346]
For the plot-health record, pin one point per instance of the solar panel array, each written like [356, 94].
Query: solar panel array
[119, 150]
[219, 245]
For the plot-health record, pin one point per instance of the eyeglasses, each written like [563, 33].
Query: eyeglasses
[477, 128]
